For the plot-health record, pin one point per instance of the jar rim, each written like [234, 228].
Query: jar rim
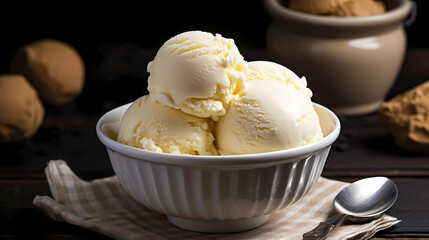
[281, 12]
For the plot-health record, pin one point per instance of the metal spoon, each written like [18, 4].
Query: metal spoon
[362, 200]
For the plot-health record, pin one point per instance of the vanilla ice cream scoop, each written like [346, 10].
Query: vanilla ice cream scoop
[197, 72]
[152, 126]
[273, 112]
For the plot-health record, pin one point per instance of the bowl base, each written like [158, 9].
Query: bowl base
[218, 226]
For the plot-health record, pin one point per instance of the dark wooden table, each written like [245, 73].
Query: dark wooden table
[117, 76]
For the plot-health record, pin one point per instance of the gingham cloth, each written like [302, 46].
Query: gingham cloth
[103, 205]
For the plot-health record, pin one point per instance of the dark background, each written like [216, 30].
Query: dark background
[117, 40]
[145, 23]
[111, 38]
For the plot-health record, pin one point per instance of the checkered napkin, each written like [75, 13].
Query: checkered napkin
[103, 205]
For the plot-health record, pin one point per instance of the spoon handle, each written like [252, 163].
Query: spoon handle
[324, 228]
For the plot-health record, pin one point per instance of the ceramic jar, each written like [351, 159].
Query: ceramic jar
[350, 63]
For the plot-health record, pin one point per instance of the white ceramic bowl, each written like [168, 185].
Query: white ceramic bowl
[217, 193]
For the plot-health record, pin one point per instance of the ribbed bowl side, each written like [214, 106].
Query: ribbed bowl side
[217, 194]
[133, 177]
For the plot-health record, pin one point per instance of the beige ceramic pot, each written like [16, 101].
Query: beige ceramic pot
[350, 62]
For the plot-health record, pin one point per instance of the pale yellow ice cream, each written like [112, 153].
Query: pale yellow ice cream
[339, 7]
[205, 99]
[149, 125]
[273, 112]
[197, 72]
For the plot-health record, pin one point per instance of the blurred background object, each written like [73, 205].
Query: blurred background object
[123, 30]
[54, 68]
[406, 117]
[21, 110]
[351, 61]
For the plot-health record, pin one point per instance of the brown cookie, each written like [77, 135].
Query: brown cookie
[54, 68]
[21, 111]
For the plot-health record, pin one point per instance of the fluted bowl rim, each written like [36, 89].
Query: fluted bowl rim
[267, 158]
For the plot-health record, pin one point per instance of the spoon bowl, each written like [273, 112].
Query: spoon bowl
[362, 200]
[369, 197]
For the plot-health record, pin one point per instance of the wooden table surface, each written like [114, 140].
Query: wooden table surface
[364, 148]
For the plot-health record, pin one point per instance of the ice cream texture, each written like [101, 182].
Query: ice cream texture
[197, 72]
[273, 112]
[149, 125]
[344, 8]
[205, 99]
